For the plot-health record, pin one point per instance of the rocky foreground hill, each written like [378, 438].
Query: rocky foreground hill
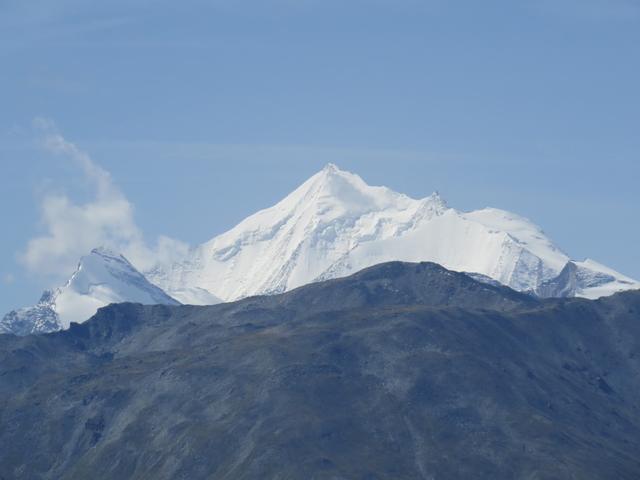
[400, 371]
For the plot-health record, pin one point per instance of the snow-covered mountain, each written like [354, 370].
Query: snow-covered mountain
[335, 224]
[102, 277]
[332, 225]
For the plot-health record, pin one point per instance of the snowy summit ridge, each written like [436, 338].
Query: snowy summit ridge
[335, 224]
[304, 237]
[330, 226]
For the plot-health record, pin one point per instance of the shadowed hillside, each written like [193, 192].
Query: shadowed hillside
[400, 371]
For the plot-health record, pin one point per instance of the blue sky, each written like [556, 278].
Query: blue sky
[203, 112]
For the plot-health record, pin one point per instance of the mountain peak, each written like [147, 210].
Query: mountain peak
[436, 199]
[331, 173]
[337, 190]
[335, 224]
[102, 277]
[101, 263]
[99, 267]
[331, 168]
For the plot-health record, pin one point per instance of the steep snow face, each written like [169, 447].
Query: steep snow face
[102, 277]
[335, 224]
[299, 239]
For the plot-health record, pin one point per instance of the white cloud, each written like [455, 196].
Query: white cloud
[74, 229]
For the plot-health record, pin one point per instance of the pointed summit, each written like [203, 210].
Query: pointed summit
[335, 190]
[331, 168]
[102, 277]
[436, 199]
[329, 226]
[331, 172]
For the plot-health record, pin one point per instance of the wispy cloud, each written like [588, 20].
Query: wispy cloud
[72, 229]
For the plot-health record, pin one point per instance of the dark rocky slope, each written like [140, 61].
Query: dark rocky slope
[400, 371]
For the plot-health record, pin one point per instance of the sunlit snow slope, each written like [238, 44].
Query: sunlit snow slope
[335, 224]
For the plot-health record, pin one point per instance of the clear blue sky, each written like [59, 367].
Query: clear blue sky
[204, 112]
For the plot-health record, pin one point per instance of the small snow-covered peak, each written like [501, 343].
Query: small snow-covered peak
[437, 201]
[431, 206]
[102, 263]
[102, 277]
